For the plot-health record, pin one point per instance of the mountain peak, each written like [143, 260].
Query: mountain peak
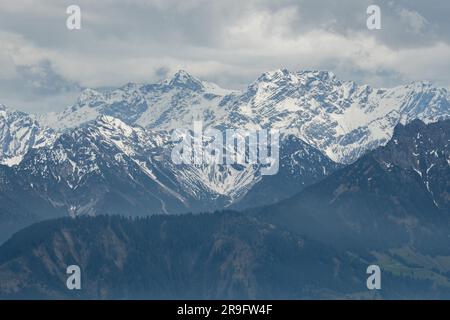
[183, 79]
[109, 121]
[285, 74]
[420, 84]
[317, 74]
[88, 96]
[274, 74]
[182, 74]
[14, 112]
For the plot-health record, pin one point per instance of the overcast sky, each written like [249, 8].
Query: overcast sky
[43, 65]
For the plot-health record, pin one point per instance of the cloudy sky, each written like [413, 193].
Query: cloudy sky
[43, 65]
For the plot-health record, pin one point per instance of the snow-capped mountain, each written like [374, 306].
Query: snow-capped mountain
[19, 132]
[340, 118]
[99, 154]
[109, 167]
[111, 151]
[170, 104]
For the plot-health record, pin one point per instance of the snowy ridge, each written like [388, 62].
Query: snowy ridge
[123, 137]
[163, 106]
[341, 118]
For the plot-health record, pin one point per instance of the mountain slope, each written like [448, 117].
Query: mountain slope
[301, 165]
[208, 256]
[14, 215]
[86, 171]
[394, 196]
[211, 256]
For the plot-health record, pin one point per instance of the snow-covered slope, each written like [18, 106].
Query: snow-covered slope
[152, 152]
[18, 133]
[340, 118]
[107, 166]
[166, 105]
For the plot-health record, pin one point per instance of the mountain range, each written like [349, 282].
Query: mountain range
[389, 208]
[109, 167]
[110, 152]
[340, 118]
[363, 178]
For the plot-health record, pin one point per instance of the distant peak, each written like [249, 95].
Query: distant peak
[185, 80]
[274, 74]
[105, 119]
[88, 95]
[6, 109]
[279, 72]
[182, 74]
[112, 123]
[420, 84]
[319, 74]
[285, 74]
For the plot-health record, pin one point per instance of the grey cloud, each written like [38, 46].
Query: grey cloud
[37, 88]
[41, 79]
[162, 72]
